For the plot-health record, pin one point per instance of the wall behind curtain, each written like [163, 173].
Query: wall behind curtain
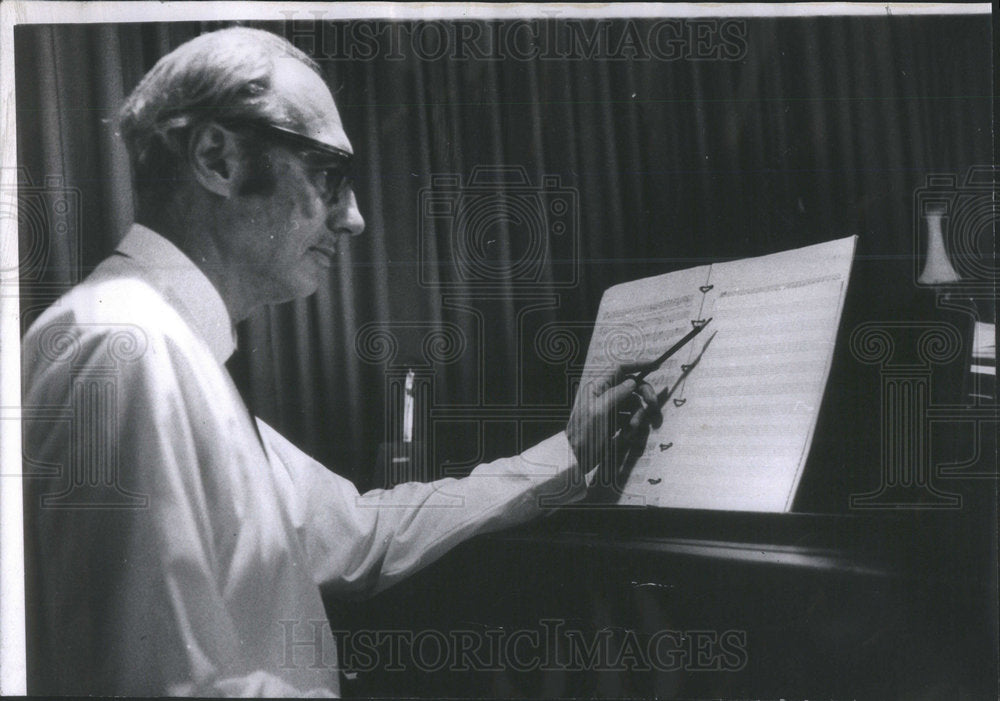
[823, 128]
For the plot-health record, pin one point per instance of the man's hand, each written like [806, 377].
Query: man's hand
[595, 416]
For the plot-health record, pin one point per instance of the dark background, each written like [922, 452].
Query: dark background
[821, 128]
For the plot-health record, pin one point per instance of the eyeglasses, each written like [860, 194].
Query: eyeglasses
[334, 163]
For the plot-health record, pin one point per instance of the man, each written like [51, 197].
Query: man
[177, 539]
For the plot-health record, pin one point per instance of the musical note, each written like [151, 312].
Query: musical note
[743, 443]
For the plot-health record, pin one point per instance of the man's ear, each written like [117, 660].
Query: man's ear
[214, 155]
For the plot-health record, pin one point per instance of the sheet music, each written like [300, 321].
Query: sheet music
[737, 427]
[639, 320]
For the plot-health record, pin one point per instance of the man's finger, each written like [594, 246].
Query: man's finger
[610, 377]
[651, 404]
[625, 369]
[620, 392]
[636, 422]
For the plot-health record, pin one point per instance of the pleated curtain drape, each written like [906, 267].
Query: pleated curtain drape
[822, 128]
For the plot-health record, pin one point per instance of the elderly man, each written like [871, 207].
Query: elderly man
[177, 537]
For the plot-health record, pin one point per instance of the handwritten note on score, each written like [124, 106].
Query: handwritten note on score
[740, 403]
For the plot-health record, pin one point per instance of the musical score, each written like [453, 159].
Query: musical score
[740, 404]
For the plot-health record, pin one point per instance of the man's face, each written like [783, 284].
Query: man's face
[289, 235]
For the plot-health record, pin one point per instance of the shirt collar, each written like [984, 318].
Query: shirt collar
[184, 286]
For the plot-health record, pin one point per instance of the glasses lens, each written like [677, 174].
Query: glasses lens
[317, 154]
[334, 179]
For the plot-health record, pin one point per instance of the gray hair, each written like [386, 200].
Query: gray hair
[222, 76]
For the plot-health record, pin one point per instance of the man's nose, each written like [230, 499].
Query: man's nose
[345, 218]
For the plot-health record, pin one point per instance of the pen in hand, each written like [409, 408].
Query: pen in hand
[628, 417]
[654, 365]
[592, 429]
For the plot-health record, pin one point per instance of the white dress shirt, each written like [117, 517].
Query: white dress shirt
[172, 550]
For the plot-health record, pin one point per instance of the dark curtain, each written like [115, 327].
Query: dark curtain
[822, 128]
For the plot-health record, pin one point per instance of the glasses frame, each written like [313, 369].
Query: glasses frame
[302, 142]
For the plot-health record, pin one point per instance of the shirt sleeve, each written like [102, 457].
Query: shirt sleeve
[362, 543]
[132, 538]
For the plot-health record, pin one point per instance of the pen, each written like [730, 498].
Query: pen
[408, 408]
[655, 364]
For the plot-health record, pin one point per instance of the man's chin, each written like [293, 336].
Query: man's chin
[302, 288]
[306, 290]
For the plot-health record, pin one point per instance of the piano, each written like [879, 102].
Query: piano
[694, 604]
[864, 590]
